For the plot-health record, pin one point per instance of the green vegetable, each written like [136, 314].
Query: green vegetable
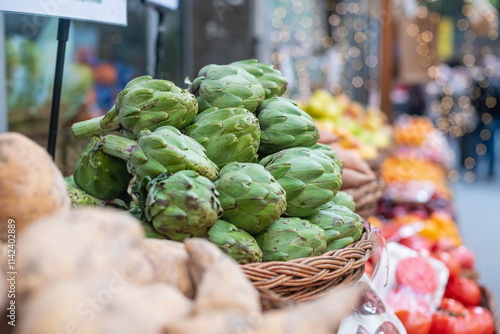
[236, 243]
[342, 226]
[145, 103]
[163, 150]
[250, 196]
[272, 80]
[182, 205]
[284, 125]
[226, 86]
[99, 174]
[309, 178]
[291, 238]
[230, 134]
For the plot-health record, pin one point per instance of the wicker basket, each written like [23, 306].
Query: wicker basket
[367, 197]
[488, 302]
[308, 278]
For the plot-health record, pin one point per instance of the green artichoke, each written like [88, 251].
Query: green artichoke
[250, 196]
[344, 199]
[80, 198]
[145, 103]
[99, 174]
[284, 125]
[236, 243]
[342, 226]
[329, 152]
[150, 231]
[291, 238]
[230, 134]
[226, 86]
[160, 151]
[310, 178]
[182, 205]
[272, 80]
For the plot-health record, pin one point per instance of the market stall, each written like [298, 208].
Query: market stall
[250, 198]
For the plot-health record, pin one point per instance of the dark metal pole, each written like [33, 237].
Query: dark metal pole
[160, 47]
[62, 38]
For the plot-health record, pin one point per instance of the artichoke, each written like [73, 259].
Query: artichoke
[329, 152]
[236, 243]
[271, 79]
[150, 231]
[342, 226]
[230, 134]
[145, 103]
[284, 125]
[344, 199]
[250, 196]
[226, 86]
[182, 205]
[291, 238]
[80, 198]
[160, 151]
[99, 174]
[310, 178]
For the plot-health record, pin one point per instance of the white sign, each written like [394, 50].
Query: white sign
[171, 4]
[107, 11]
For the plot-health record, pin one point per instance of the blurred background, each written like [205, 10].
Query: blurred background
[438, 58]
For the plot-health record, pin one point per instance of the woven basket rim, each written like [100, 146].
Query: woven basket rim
[307, 278]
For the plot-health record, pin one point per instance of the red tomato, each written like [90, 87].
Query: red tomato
[465, 256]
[453, 318]
[450, 262]
[417, 273]
[416, 242]
[415, 322]
[464, 290]
[483, 318]
[452, 305]
[368, 268]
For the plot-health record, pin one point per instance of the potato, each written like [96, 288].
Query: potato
[202, 255]
[31, 185]
[224, 287]
[324, 315]
[216, 323]
[352, 160]
[352, 179]
[169, 260]
[104, 306]
[79, 244]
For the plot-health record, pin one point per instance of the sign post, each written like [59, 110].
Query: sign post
[62, 38]
[105, 11]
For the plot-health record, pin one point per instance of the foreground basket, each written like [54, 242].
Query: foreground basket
[308, 278]
[367, 197]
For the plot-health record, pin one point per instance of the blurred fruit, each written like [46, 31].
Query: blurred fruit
[450, 262]
[415, 322]
[465, 256]
[417, 273]
[483, 318]
[453, 318]
[464, 290]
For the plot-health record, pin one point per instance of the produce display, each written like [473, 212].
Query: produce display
[226, 159]
[417, 218]
[364, 130]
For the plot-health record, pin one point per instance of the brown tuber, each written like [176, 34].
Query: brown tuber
[31, 185]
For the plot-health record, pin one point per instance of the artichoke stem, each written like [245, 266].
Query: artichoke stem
[89, 128]
[117, 146]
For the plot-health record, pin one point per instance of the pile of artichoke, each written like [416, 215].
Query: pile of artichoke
[227, 159]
